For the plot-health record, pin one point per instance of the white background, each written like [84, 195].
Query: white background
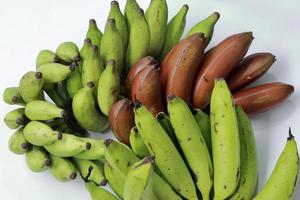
[29, 26]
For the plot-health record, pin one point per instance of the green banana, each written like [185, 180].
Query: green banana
[167, 158]
[137, 144]
[68, 52]
[17, 142]
[45, 56]
[51, 90]
[11, 95]
[175, 30]
[85, 112]
[163, 190]
[55, 123]
[115, 178]
[116, 14]
[55, 72]
[98, 193]
[42, 110]
[95, 152]
[192, 143]
[108, 87]
[282, 182]
[249, 168]
[157, 18]
[131, 12]
[164, 121]
[139, 39]
[139, 181]
[62, 168]
[16, 118]
[94, 34]
[84, 52]
[37, 159]
[225, 141]
[206, 27]
[112, 45]
[74, 82]
[30, 86]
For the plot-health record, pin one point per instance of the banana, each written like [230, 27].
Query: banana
[17, 142]
[68, 52]
[94, 34]
[62, 168]
[137, 144]
[37, 159]
[112, 45]
[12, 96]
[206, 27]
[108, 87]
[95, 152]
[249, 169]
[84, 51]
[116, 14]
[115, 178]
[139, 181]
[16, 118]
[74, 82]
[98, 193]
[55, 72]
[131, 12]
[42, 110]
[139, 39]
[157, 19]
[192, 143]
[45, 56]
[85, 112]
[225, 141]
[55, 123]
[51, 90]
[164, 121]
[30, 86]
[282, 182]
[175, 30]
[167, 158]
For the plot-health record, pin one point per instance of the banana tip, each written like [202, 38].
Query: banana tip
[107, 142]
[87, 41]
[15, 99]
[25, 146]
[38, 75]
[88, 145]
[94, 48]
[90, 84]
[59, 135]
[160, 116]
[103, 182]
[92, 21]
[73, 175]
[291, 136]
[48, 162]
[171, 97]
[111, 62]
[76, 58]
[137, 104]
[114, 3]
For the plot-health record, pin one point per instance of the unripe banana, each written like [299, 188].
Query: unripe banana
[157, 19]
[74, 82]
[68, 52]
[249, 170]
[175, 30]
[139, 39]
[95, 152]
[11, 95]
[55, 72]
[164, 121]
[84, 51]
[51, 90]
[94, 34]
[225, 141]
[115, 178]
[85, 112]
[37, 159]
[16, 118]
[98, 193]
[45, 56]
[137, 144]
[42, 110]
[192, 143]
[62, 168]
[17, 142]
[30, 86]
[131, 12]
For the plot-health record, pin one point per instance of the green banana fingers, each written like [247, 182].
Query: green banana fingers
[84, 51]
[55, 72]
[164, 121]
[94, 34]
[68, 52]
[131, 12]
[37, 159]
[31, 85]
[98, 193]
[51, 90]
[45, 56]
[62, 168]
[115, 178]
[95, 152]
[74, 82]
[137, 144]
[16, 118]
[12, 96]
[42, 110]
[17, 142]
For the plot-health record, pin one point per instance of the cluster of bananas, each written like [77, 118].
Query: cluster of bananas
[184, 154]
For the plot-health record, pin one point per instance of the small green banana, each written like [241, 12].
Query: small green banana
[175, 30]
[42, 110]
[45, 56]
[16, 118]
[115, 178]
[68, 52]
[137, 144]
[167, 158]
[37, 159]
[84, 51]
[98, 193]
[139, 181]
[206, 27]
[31, 85]
[139, 39]
[192, 143]
[163, 190]
[17, 142]
[12, 96]
[225, 141]
[95, 152]
[131, 12]
[108, 87]
[94, 34]
[85, 112]
[55, 72]
[51, 90]
[157, 19]
[74, 82]
[249, 168]
[164, 121]
[62, 168]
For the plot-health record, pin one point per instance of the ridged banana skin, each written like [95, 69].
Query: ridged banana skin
[45, 56]
[167, 158]
[282, 182]
[98, 193]
[192, 143]
[55, 72]
[157, 19]
[37, 159]
[42, 110]
[74, 82]
[137, 144]
[249, 169]
[131, 8]
[225, 141]
[85, 113]
[62, 168]
[115, 178]
[31, 85]
[94, 34]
